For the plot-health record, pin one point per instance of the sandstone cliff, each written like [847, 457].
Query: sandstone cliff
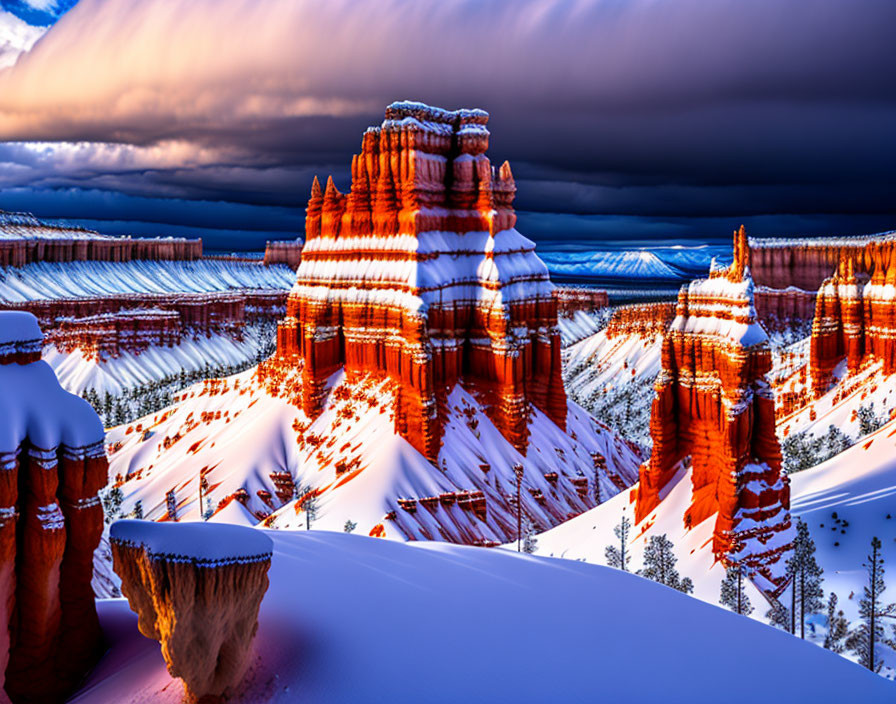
[53, 465]
[855, 315]
[418, 274]
[197, 589]
[642, 319]
[714, 405]
[288, 253]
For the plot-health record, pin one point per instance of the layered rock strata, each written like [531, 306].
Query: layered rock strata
[642, 319]
[52, 465]
[780, 310]
[575, 298]
[25, 239]
[197, 589]
[288, 253]
[714, 405]
[418, 274]
[806, 262]
[855, 316]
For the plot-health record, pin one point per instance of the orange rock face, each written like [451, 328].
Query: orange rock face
[197, 589]
[53, 465]
[783, 309]
[419, 274]
[806, 262]
[713, 404]
[642, 319]
[855, 315]
[289, 253]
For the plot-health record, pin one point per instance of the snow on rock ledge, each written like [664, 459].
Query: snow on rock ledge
[52, 465]
[197, 589]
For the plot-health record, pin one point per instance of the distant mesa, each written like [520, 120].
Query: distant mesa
[53, 462]
[714, 405]
[419, 274]
[197, 589]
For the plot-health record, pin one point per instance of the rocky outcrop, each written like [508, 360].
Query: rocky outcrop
[642, 319]
[418, 274]
[806, 262]
[25, 239]
[780, 310]
[714, 405]
[196, 588]
[575, 298]
[52, 465]
[288, 253]
[855, 316]
[107, 326]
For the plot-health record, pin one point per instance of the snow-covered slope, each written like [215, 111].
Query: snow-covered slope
[86, 279]
[245, 435]
[77, 373]
[353, 619]
[639, 264]
[612, 378]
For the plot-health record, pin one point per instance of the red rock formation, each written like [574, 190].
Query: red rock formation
[713, 404]
[419, 274]
[573, 298]
[107, 335]
[783, 309]
[289, 253]
[53, 465]
[25, 239]
[643, 319]
[855, 315]
[196, 588]
[807, 262]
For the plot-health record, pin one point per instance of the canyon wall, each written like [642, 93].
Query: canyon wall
[714, 405]
[418, 274]
[25, 239]
[53, 462]
[643, 319]
[780, 310]
[855, 316]
[806, 262]
[288, 253]
[575, 298]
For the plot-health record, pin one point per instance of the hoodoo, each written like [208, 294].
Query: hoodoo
[196, 588]
[419, 274]
[855, 315]
[53, 465]
[714, 405]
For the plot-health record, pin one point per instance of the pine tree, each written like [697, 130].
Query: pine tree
[111, 500]
[659, 565]
[530, 544]
[870, 632]
[138, 510]
[733, 593]
[349, 526]
[308, 502]
[779, 615]
[805, 573]
[619, 557]
[838, 626]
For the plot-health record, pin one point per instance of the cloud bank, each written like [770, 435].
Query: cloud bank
[637, 107]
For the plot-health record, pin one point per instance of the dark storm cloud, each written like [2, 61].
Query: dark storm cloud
[654, 109]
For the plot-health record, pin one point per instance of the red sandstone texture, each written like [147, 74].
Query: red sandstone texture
[418, 274]
[288, 253]
[197, 589]
[783, 309]
[642, 319]
[806, 263]
[575, 298]
[52, 466]
[714, 404]
[25, 239]
[855, 315]
[105, 327]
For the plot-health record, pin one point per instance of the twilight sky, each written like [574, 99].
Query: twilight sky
[622, 119]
